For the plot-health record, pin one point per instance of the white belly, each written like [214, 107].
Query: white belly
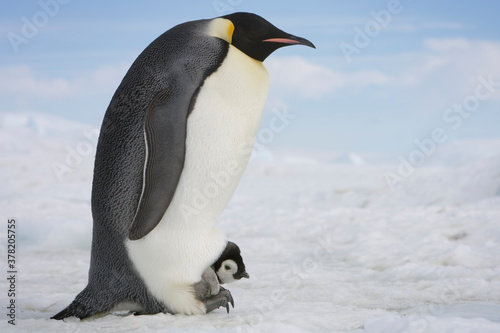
[220, 133]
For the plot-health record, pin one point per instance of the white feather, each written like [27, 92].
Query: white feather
[220, 133]
[227, 270]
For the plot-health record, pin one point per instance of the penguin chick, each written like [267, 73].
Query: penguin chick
[208, 285]
[230, 266]
[211, 293]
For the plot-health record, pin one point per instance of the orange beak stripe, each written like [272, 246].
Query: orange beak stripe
[281, 40]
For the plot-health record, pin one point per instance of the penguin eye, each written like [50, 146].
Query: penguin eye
[226, 267]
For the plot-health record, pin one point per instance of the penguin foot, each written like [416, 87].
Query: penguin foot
[75, 309]
[222, 299]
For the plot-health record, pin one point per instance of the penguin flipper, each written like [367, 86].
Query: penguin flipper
[208, 286]
[165, 135]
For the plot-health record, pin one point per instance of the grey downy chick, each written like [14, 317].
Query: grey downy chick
[228, 268]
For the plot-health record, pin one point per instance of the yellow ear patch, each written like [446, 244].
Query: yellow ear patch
[221, 28]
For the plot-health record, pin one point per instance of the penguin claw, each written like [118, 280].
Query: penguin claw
[222, 299]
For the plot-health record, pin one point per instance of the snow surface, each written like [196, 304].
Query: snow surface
[328, 245]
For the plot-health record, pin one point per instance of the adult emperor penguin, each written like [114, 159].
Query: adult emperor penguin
[170, 154]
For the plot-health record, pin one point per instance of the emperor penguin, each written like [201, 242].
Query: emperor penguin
[171, 151]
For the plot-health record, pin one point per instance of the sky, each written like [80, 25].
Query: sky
[386, 76]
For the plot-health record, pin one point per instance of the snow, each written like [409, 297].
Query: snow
[329, 246]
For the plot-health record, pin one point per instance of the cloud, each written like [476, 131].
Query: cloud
[423, 83]
[299, 76]
[22, 83]
[447, 44]
[413, 25]
[463, 57]
[463, 61]
[444, 70]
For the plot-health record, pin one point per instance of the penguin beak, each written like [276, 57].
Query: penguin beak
[290, 40]
[243, 275]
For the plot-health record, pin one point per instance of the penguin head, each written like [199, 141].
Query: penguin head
[230, 267]
[258, 38]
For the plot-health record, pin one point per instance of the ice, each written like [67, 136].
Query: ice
[329, 246]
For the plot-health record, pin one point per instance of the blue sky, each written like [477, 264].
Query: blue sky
[419, 59]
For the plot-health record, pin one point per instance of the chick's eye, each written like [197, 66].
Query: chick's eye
[226, 267]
